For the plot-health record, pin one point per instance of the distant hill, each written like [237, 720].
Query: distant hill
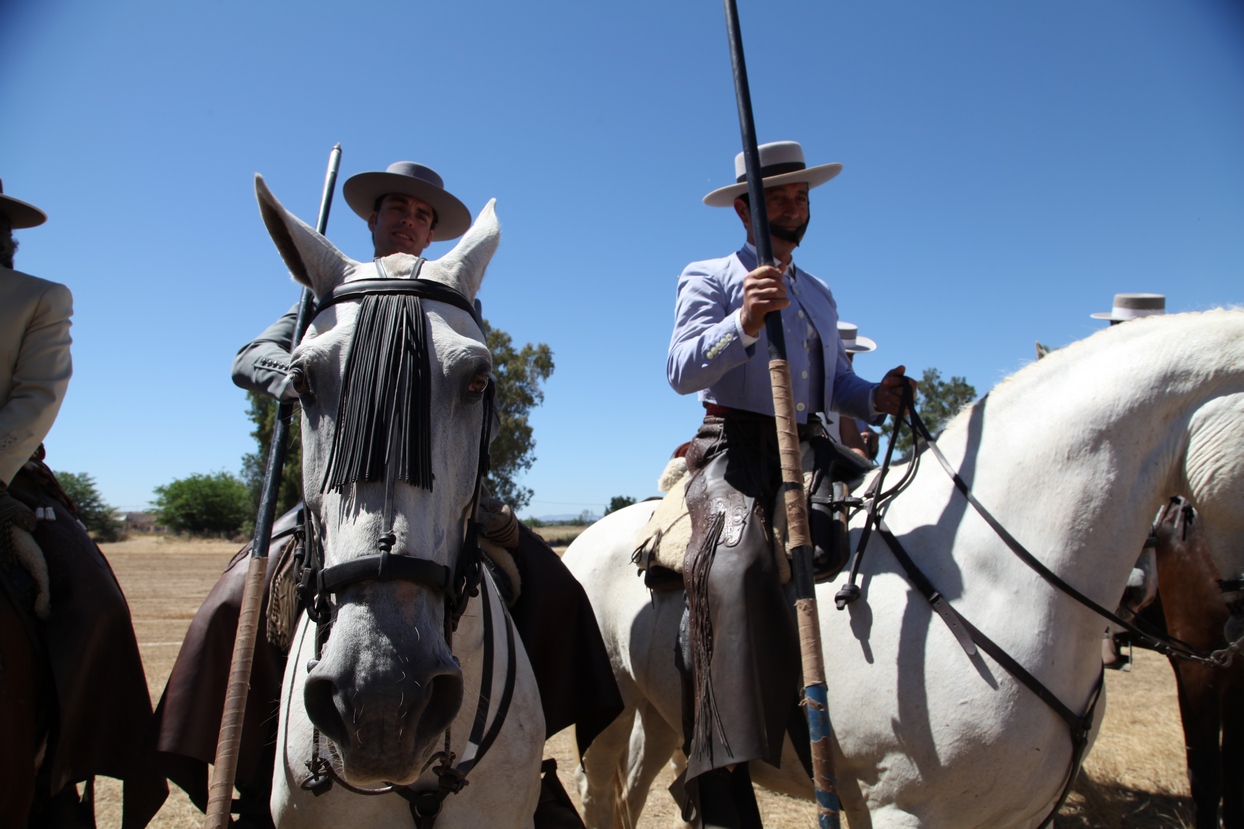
[565, 518]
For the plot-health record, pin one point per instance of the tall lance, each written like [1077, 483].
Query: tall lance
[220, 793]
[799, 544]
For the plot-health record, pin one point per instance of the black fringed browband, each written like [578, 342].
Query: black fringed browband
[425, 288]
[384, 414]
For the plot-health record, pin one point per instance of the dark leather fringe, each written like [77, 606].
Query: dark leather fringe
[389, 336]
[700, 625]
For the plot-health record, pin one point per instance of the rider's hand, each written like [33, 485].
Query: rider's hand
[869, 437]
[14, 510]
[888, 396]
[763, 291]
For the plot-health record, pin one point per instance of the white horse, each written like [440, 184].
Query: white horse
[376, 700]
[1072, 455]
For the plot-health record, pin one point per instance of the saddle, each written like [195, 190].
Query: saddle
[829, 473]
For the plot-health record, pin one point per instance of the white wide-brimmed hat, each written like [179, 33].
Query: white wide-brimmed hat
[1133, 306]
[19, 213]
[851, 338]
[781, 162]
[409, 179]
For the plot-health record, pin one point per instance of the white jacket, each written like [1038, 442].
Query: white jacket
[35, 366]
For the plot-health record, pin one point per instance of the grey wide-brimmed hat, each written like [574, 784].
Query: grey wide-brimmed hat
[410, 179]
[19, 213]
[781, 162]
[1133, 306]
[851, 338]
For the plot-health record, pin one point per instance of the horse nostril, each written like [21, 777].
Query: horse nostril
[327, 709]
[444, 702]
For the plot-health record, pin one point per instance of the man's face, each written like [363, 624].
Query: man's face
[402, 224]
[788, 208]
[788, 205]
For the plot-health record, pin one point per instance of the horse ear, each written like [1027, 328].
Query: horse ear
[313, 260]
[463, 267]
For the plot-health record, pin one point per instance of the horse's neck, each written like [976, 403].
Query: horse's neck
[1077, 484]
[1077, 492]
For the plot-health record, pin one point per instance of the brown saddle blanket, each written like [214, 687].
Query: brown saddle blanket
[661, 543]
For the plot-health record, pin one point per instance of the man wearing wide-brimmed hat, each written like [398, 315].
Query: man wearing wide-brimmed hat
[854, 435]
[93, 701]
[406, 207]
[740, 659]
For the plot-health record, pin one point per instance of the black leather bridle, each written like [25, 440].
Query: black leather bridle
[458, 585]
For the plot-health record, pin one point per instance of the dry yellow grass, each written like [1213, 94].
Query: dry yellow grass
[1134, 779]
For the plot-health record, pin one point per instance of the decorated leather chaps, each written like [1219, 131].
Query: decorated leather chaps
[739, 651]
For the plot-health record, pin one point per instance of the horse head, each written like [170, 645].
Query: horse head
[395, 382]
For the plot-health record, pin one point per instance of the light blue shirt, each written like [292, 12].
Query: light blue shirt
[710, 353]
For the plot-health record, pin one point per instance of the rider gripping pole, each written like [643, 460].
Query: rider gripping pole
[220, 793]
[792, 470]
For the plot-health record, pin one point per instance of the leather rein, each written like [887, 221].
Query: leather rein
[458, 585]
[971, 638]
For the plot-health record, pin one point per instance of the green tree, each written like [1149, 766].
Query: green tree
[937, 401]
[216, 504]
[262, 414]
[619, 502]
[519, 375]
[100, 518]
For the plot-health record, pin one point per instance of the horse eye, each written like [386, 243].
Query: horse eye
[479, 382]
[298, 379]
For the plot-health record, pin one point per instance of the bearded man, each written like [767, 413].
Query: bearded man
[738, 651]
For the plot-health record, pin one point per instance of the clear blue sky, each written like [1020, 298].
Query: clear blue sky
[1008, 168]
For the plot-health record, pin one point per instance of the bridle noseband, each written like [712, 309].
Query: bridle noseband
[458, 585]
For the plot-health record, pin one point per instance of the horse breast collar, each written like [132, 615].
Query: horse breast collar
[388, 334]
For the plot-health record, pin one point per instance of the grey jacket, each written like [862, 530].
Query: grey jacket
[262, 365]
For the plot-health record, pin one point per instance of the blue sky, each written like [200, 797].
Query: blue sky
[1008, 168]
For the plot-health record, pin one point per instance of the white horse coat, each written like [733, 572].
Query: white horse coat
[1072, 455]
[386, 683]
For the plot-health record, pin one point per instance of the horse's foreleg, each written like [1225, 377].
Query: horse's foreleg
[1198, 709]
[599, 775]
[1230, 702]
[653, 741]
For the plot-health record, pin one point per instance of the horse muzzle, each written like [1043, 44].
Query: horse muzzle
[384, 705]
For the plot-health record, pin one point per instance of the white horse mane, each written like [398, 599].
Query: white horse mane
[1168, 352]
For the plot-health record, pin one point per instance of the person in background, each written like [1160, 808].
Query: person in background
[64, 593]
[851, 433]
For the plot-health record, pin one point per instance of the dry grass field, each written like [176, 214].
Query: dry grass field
[1134, 778]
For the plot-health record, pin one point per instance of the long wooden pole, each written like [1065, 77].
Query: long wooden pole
[800, 544]
[220, 792]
